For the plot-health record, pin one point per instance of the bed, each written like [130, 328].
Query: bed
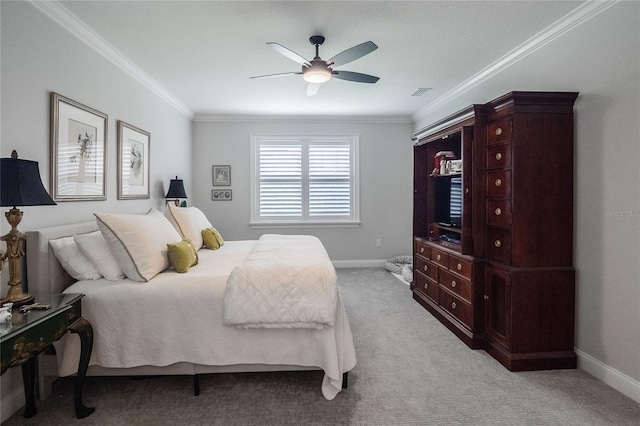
[172, 324]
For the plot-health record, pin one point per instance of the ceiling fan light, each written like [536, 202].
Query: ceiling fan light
[318, 72]
[317, 76]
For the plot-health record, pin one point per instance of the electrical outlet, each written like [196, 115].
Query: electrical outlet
[378, 242]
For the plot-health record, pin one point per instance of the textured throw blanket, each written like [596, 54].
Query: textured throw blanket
[287, 281]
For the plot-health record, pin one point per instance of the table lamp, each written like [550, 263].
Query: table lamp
[176, 191]
[20, 185]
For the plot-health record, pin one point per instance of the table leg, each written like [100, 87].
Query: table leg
[29, 379]
[84, 330]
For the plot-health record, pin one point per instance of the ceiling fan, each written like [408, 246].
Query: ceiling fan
[318, 71]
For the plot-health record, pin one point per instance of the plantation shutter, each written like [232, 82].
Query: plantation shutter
[280, 175]
[305, 180]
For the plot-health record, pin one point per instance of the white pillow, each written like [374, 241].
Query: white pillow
[139, 242]
[72, 260]
[189, 221]
[96, 249]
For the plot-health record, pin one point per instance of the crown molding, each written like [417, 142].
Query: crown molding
[63, 17]
[221, 118]
[573, 19]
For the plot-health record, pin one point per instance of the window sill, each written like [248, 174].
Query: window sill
[350, 224]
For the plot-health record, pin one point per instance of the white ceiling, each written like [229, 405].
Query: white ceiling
[203, 53]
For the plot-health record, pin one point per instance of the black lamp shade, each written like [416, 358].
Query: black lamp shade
[20, 184]
[176, 189]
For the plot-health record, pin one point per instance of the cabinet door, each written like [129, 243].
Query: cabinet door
[497, 298]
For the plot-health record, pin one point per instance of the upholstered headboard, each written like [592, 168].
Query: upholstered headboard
[44, 272]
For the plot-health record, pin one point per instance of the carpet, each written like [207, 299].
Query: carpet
[411, 371]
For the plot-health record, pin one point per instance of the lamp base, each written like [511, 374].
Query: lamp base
[28, 298]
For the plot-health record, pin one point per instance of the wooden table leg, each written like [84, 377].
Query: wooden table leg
[29, 380]
[84, 330]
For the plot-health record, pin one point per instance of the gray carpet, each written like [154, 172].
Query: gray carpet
[410, 371]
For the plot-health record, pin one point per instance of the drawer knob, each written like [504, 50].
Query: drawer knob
[498, 182]
[486, 297]
[459, 266]
[499, 156]
[453, 305]
[499, 131]
[426, 286]
[438, 257]
[466, 190]
[425, 268]
[497, 243]
[421, 250]
[498, 211]
[453, 283]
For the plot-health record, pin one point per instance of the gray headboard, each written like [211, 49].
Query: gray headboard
[44, 273]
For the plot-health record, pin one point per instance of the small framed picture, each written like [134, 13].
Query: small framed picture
[133, 162]
[221, 194]
[221, 175]
[78, 151]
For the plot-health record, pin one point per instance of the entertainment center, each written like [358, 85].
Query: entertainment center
[493, 227]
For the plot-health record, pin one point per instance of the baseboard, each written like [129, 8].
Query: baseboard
[612, 377]
[373, 263]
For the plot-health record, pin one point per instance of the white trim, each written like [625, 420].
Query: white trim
[62, 16]
[371, 263]
[302, 225]
[222, 118]
[573, 19]
[609, 375]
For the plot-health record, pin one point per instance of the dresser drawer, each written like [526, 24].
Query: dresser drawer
[499, 244]
[427, 287]
[440, 257]
[499, 130]
[427, 268]
[458, 285]
[456, 307]
[422, 249]
[499, 212]
[461, 266]
[499, 183]
[499, 157]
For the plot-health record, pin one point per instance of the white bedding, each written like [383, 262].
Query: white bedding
[287, 281]
[178, 318]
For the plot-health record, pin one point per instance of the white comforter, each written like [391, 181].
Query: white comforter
[287, 281]
[178, 318]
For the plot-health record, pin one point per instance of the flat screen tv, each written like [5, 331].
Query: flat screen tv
[455, 202]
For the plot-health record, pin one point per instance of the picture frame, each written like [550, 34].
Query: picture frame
[78, 151]
[221, 175]
[134, 162]
[221, 195]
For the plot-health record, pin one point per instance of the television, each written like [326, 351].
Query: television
[455, 202]
[449, 201]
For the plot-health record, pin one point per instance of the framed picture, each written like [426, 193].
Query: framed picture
[221, 195]
[78, 151]
[133, 162]
[221, 175]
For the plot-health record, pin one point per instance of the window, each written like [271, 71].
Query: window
[304, 180]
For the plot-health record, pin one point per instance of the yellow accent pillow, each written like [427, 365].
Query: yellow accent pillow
[212, 238]
[182, 255]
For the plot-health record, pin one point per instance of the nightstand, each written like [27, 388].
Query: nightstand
[30, 333]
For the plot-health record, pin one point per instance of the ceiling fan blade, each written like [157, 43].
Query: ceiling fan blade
[289, 53]
[312, 89]
[355, 76]
[282, 74]
[352, 53]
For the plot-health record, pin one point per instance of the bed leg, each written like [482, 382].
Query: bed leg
[196, 385]
[345, 380]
